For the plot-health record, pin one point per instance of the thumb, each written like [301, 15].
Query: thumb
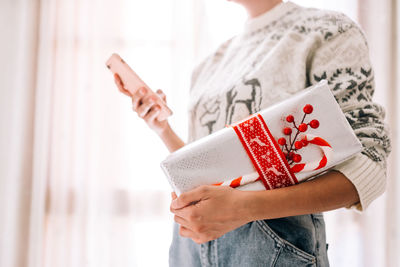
[173, 195]
[162, 95]
[189, 198]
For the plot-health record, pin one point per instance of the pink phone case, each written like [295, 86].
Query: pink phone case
[132, 82]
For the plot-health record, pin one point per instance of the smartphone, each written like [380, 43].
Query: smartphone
[132, 82]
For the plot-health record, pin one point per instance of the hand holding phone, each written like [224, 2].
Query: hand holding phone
[132, 83]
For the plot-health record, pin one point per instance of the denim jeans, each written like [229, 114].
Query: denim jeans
[291, 241]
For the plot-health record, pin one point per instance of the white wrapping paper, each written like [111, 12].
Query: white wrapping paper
[221, 156]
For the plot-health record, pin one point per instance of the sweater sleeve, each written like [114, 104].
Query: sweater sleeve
[343, 60]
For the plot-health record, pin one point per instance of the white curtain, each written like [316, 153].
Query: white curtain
[80, 183]
[80, 178]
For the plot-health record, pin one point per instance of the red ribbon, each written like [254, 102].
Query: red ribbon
[264, 152]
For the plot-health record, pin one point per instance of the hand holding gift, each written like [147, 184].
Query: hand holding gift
[207, 212]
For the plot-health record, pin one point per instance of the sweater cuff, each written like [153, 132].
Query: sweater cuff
[368, 177]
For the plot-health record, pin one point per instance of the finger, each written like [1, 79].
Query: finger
[152, 114]
[147, 104]
[173, 195]
[187, 213]
[162, 95]
[181, 221]
[117, 79]
[137, 98]
[185, 232]
[118, 82]
[120, 85]
[190, 197]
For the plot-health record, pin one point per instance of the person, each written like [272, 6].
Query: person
[282, 49]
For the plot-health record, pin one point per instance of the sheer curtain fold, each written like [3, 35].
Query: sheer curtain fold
[18, 25]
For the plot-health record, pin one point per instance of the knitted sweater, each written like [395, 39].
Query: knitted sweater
[278, 54]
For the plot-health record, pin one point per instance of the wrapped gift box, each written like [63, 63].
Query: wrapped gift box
[282, 145]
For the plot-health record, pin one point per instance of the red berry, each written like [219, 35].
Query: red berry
[287, 131]
[314, 124]
[304, 142]
[290, 118]
[298, 144]
[303, 127]
[308, 109]
[291, 155]
[296, 158]
[282, 141]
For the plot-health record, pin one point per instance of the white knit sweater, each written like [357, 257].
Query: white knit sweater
[280, 53]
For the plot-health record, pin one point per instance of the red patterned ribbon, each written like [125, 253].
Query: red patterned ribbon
[264, 152]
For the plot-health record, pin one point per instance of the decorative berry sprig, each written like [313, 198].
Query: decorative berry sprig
[290, 148]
